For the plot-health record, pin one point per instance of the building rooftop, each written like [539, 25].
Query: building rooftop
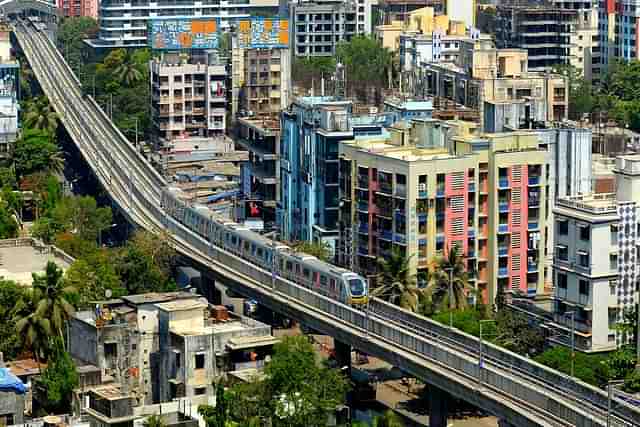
[19, 258]
[25, 367]
[321, 100]
[598, 204]
[264, 125]
[109, 391]
[407, 154]
[183, 305]
[409, 104]
[157, 297]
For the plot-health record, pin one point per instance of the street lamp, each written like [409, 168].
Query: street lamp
[610, 385]
[450, 271]
[481, 355]
[572, 338]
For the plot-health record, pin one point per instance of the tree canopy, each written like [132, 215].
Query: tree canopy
[367, 63]
[36, 151]
[59, 379]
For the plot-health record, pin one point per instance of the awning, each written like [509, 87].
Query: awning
[240, 343]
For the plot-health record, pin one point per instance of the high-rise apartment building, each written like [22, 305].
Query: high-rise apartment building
[619, 24]
[484, 194]
[261, 80]
[188, 97]
[311, 131]
[318, 26]
[125, 22]
[595, 260]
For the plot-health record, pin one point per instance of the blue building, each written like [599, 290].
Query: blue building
[407, 110]
[311, 131]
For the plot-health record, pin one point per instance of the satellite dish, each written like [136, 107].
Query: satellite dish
[108, 293]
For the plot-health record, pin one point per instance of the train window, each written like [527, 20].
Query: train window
[289, 266]
[332, 285]
[281, 264]
[253, 248]
[306, 273]
[234, 240]
[259, 252]
[246, 246]
[323, 280]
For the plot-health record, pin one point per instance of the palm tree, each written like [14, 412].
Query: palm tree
[128, 72]
[51, 295]
[398, 284]
[33, 328]
[154, 420]
[450, 269]
[41, 115]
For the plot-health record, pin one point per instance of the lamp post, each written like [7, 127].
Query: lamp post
[610, 385]
[572, 338]
[481, 355]
[450, 271]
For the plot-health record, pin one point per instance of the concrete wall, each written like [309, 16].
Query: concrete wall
[12, 404]
[83, 341]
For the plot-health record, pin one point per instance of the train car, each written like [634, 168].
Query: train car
[303, 269]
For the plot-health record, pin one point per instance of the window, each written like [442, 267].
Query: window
[199, 361]
[199, 391]
[583, 259]
[613, 262]
[110, 349]
[584, 287]
[563, 227]
[561, 279]
[562, 253]
[585, 232]
[613, 284]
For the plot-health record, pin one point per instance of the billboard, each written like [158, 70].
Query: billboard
[259, 32]
[176, 34]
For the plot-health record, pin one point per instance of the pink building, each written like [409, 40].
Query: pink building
[87, 8]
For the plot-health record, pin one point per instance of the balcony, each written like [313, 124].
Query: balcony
[363, 229]
[579, 325]
[533, 202]
[503, 183]
[363, 206]
[471, 253]
[532, 225]
[363, 251]
[472, 187]
[363, 182]
[385, 235]
[534, 180]
[471, 233]
[503, 272]
[532, 267]
[385, 188]
[440, 191]
[503, 228]
[422, 217]
[503, 207]
[503, 250]
[385, 211]
[401, 191]
[400, 238]
[422, 195]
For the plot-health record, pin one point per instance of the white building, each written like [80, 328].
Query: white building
[125, 22]
[463, 11]
[416, 49]
[595, 266]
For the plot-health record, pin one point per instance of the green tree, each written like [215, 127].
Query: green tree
[93, 275]
[40, 115]
[36, 151]
[296, 389]
[589, 368]
[516, 334]
[128, 72]
[8, 225]
[33, 327]
[307, 70]
[71, 35]
[320, 250]
[11, 308]
[59, 379]
[367, 63]
[388, 419]
[52, 297]
[581, 97]
[450, 281]
[155, 420]
[217, 416]
[396, 283]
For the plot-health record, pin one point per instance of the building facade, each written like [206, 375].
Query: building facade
[188, 99]
[484, 194]
[544, 31]
[311, 131]
[318, 26]
[595, 260]
[619, 24]
[87, 8]
[462, 11]
[124, 23]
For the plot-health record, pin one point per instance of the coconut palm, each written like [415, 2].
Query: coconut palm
[33, 329]
[398, 284]
[52, 297]
[41, 115]
[128, 72]
[450, 268]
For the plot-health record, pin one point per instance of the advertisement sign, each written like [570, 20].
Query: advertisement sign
[176, 34]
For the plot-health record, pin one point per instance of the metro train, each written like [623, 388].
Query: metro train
[303, 269]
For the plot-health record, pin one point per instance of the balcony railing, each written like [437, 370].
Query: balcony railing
[503, 228]
[503, 272]
[534, 180]
[422, 194]
[579, 325]
[385, 211]
[532, 267]
[503, 207]
[532, 225]
[440, 191]
[385, 187]
[503, 183]
[472, 187]
[385, 235]
[363, 228]
[401, 190]
[471, 233]
[400, 238]
[363, 206]
[503, 251]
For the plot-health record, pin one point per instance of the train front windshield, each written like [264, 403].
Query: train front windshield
[357, 287]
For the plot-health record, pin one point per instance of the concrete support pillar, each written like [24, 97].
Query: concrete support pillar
[438, 407]
[343, 356]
